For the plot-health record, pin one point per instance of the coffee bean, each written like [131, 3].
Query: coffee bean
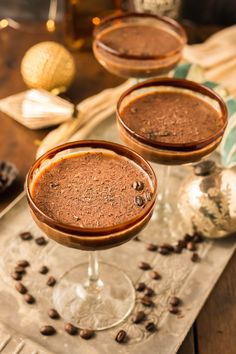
[146, 301]
[23, 263]
[19, 269]
[188, 238]
[148, 291]
[51, 281]
[167, 246]
[47, 330]
[41, 241]
[140, 286]
[163, 251]
[155, 275]
[26, 236]
[174, 301]
[138, 185]
[21, 288]
[43, 270]
[151, 247]
[150, 327]
[191, 246]
[139, 317]
[177, 249]
[121, 336]
[86, 333]
[29, 298]
[70, 329]
[195, 257]
[148, 196]
[144, 265]
[198, 238]
[173, 309]
[16, 276]
[52, 313]
[139, 201]
[182, 243]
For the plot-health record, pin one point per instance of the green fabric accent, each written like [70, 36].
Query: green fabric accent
[231, 106]
[210, 84]
[230, 141]
[182, 71]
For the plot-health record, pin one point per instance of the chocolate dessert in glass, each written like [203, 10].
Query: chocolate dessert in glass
[92, 195]
[171, 122]
[138, 45]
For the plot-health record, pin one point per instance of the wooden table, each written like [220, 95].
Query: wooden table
[214, 330]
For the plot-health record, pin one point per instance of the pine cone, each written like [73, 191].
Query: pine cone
[8, 173]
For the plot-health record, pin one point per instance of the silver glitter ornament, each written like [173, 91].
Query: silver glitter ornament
[207, 200]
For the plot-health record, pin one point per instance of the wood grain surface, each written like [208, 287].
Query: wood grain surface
[214, 330]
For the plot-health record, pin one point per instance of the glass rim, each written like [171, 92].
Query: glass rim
[85, 231]
[178, 83]
[121, 15]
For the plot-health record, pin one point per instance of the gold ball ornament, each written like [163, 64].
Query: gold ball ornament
[49, 66]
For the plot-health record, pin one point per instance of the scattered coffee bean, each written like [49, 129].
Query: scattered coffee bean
[163, 251]
[47, 330]
[21, 288]
[167, 246]
[19, 269]
[23, 263]
[188, 238]
[191, 246]
[70, 329]
[16, 276]
[138, 185]
[139, 317]
[148, 291]
[86, 333]
[144, 265]
[140, 286]
[174, 301]
[29, 298]
[121, 336]
[51, 281]
[146, 301]
[52, 313]
[173, 309]
[41, 241]
[139, 201]
[198, 238]
[177, 249]
[182, 243]
[151, 247]
[26, 236]
[148, 196]
[155, 275]
[195, 257]
[150, 327]
[43, 270]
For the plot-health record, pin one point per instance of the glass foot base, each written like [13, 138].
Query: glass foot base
[99, 308]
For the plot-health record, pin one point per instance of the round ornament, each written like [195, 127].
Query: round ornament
[48, 66]
[207, 200]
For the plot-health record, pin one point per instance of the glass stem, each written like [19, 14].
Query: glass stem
[94, 282]
[165, 187]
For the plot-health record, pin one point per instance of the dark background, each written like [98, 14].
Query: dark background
[219, 12]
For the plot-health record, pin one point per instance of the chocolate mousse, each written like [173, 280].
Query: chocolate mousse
[172, 117]
[92, 189]
[139, 40]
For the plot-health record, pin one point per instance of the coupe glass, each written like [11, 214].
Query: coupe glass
[93, 296]
[170, 153]
[141, 65]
